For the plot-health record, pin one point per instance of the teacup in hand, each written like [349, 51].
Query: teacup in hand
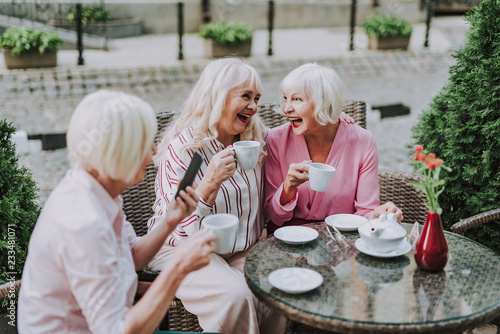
[320, 176]
[247, 153]
[224, 226]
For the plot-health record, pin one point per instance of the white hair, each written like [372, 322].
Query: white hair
[203, 108]
[322, 85]
[110, 132]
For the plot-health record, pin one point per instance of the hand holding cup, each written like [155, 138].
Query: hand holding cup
[247, 153]
[225, 227]
[320, 176]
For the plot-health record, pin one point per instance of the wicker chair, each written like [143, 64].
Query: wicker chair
[8, 288]
[137, 204]
[139, 199]
[477, 220]
[272, 116]
[393, 185]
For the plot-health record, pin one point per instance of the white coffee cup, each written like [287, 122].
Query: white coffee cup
[224, 226]
[320, 176]
[247, 153]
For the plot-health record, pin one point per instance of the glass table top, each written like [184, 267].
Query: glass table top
[362, 292]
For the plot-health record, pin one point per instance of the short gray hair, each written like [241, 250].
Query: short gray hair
[322, 85]
[111, 132]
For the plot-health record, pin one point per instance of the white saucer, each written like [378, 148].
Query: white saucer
[345, 221]
[402, 249]
[296, 235]
[295, 280]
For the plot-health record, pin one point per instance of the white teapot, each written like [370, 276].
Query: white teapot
[383, 234]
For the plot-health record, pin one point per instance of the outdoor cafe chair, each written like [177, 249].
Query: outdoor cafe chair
[138, 200]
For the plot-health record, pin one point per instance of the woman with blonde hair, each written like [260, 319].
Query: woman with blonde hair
[312, 101]
[80, 273]
[220, 111]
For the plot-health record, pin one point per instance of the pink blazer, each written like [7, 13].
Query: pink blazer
[353, 189]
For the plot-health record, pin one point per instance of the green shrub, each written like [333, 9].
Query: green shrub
[91, 14]
[387, 25]
[23, 40]
[462, 126]
[18, 209]
[233, 32]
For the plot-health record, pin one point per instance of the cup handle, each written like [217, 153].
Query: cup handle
[307, 174]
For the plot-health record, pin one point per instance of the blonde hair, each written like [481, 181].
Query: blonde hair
[203, 108]
[111, 132]
[320, 83]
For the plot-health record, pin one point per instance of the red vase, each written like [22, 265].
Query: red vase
[431, 251]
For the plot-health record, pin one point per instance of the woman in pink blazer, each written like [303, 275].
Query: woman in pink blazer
[312, 101]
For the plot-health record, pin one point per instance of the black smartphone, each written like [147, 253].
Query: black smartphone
[191, 172]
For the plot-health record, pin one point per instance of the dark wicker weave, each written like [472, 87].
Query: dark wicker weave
[294, 327]
[138, 200]
[6, 288]
[394, 187]
[477, 220]
[137, 204]
[393, 184]
[272, 115]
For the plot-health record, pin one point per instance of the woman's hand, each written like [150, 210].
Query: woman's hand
[295, 177]
[194, 252]
[182, 206]
[387, 208]
[221, 167]
[348, 119]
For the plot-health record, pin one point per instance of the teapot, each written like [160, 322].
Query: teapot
[383, 234]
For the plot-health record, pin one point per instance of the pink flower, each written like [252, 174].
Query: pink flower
[419, 148]
[431, 156]
[421, 156]
[438, 162]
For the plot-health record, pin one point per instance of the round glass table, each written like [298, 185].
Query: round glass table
[366, 294]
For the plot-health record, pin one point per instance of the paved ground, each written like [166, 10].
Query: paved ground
[41, 101]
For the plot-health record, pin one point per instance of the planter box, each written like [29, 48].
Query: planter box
[388, 42]
[32, 59]
[214, 49]
[114, 28]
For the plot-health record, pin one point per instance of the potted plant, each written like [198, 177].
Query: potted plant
[91, 14]
[227, 38]
[25, 48]
[387, 32]
[96, 18]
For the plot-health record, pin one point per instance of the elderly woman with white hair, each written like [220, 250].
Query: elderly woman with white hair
[220, 111]
[312, 101]
[80, 273]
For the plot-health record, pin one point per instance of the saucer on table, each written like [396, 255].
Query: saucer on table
[295, 280]
[345, 222]
[296, 235]
[402, 249]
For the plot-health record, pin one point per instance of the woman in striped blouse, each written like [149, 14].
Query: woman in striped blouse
[220, 110]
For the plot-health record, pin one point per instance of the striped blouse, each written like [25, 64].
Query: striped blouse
[240, 195]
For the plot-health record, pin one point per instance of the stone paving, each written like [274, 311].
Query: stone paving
[41, 101]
